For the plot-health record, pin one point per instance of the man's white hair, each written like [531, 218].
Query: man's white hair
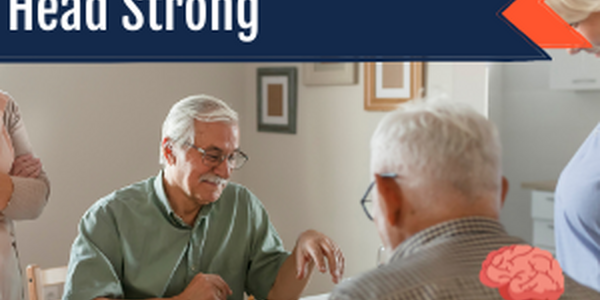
[179, 124]
[573, 11]
[428, 141]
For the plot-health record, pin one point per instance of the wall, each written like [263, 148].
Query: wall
[496, 94]
[540, 130]
[97, 128]
[315, 179]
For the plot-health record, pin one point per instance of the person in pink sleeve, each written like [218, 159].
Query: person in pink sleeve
[24, 190]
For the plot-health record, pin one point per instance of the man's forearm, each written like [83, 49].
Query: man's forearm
[287, 286]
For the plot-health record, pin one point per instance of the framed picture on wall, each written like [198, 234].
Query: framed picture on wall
[330, 73]
[389, 84]
[276, 99]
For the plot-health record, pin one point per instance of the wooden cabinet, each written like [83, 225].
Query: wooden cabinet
[574, 72]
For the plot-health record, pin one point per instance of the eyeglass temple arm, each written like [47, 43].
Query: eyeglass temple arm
[388, 175]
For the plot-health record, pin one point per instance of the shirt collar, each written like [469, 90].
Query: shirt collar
[159, 188]
[444, 231]
[165, 206]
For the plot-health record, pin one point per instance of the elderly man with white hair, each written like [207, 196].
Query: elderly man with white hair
[436, 201]
[188, 233]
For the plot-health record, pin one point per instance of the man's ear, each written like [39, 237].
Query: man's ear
[505, 186]
[390, 199]
[167, 147]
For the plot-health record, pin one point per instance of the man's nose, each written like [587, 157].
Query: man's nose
[223, 170]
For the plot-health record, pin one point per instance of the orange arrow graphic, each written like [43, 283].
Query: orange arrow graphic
[543, 26]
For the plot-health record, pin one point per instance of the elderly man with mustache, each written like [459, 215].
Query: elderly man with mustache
[188, 233]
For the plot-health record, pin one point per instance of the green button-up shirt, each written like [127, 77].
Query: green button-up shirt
[132, 245]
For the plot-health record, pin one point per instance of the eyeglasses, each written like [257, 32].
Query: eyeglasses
[214, 157]
[367, 200]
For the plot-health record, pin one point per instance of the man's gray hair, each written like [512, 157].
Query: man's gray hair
[179, 124]
[430, 141]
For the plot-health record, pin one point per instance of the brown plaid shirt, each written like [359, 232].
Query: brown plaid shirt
[442, 262]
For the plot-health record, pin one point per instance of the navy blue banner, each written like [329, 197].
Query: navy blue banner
[260, 30]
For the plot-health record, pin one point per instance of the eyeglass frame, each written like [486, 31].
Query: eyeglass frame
[222, 158]
[364, 199]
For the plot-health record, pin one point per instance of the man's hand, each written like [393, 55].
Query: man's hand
[314, 247]
[26, 166]
[205, 287]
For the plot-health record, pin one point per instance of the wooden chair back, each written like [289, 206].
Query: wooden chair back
[45, 284]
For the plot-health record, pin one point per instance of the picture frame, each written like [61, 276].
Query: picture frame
[277, 99]
[330, 73]
[389, 84]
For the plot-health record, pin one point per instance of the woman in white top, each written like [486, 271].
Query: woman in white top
[24, 190]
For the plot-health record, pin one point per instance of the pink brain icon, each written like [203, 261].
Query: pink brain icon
[522, 272]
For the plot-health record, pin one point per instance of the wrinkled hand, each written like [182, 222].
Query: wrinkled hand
[205, 287]
[26, 166]
[313, 247]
